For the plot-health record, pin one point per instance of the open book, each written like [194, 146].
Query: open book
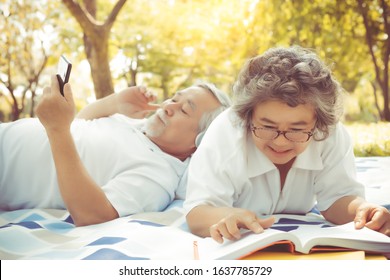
[304, 234]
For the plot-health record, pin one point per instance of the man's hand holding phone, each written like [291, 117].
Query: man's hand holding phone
[63, 72]
[55, 112]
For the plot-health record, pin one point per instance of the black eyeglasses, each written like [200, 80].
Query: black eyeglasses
[272, 134]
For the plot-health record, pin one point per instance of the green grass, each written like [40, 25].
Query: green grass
[370, 139]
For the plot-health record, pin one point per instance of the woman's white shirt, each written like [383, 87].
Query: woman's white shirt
[229, 170]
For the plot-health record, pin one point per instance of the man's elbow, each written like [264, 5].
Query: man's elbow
[87, 220]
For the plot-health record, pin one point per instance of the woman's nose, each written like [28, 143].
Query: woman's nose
[281, 140]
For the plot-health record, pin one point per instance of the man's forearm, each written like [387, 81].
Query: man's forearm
[84, 199]
[101, 108]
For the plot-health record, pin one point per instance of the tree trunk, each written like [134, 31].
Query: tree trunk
[15, 109]
[98, 59]
[382, 74]
[96, 39]
[133, 77]
[386, 104]
[380, 113]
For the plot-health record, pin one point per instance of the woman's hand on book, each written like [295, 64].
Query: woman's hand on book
[374, 217]
[229, 227]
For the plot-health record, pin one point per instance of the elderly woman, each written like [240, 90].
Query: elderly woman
[279, 149]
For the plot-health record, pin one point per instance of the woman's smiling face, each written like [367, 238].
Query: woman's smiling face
[279, 116]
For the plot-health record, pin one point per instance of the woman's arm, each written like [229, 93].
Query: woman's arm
[357, 209]
[224, 222]
[343, 210]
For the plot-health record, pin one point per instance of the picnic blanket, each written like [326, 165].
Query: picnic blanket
[50, 233]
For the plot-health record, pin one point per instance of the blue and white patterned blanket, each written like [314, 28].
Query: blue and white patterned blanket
[50, 234]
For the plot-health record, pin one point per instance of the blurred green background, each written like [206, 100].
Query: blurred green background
[169, 44]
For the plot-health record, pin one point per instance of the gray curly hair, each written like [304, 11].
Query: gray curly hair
[222, 98]
[293, 75]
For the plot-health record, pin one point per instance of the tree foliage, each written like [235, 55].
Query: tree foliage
[23, 56]
[168, 44]
[352, 35]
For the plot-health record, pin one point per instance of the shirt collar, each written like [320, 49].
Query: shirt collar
[137, 126]
[311, 158]
[258, 163]
[178, 165]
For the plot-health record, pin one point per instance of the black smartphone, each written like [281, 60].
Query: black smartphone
[63, 72]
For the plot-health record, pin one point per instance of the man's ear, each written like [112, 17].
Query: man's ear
[198, 138]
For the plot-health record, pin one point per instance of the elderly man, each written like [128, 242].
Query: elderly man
[103, 165]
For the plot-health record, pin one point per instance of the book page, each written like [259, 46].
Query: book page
[345, 236]
[250, 242]
[303, 231]
[247, 244]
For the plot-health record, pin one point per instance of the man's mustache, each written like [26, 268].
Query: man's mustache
[161, 114]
